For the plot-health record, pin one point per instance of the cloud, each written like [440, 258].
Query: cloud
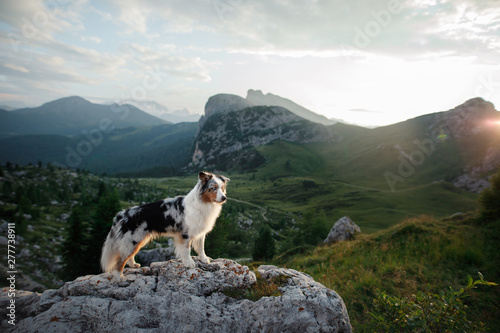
[187, 68]
[322, 28]
[93, 39]
[340, 46]
[16, 68]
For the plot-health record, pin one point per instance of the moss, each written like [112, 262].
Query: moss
[261, 288]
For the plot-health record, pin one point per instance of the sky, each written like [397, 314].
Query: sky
[369, 62]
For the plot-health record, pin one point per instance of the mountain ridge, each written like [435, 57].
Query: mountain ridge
[232, 124]
[256, 97]
[72, 115]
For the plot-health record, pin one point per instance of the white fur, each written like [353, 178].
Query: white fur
[199, 219]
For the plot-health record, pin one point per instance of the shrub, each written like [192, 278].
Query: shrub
[490, 198]
[264, 247]
[427, 312]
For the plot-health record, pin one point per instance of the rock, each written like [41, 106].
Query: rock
[256, 97]
[223, 135]
[170, 298]
[146, 257]
[222, 103]
[467, 119]
[342, 230]
[470, 183]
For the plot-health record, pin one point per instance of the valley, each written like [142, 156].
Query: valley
[291, 178]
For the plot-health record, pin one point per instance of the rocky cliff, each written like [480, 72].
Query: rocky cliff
[472, 117]
[474, 124]
[256, 97]
[168, 297]
[231, 126]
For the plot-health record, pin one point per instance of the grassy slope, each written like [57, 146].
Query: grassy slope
[349, 181]
[418, 254]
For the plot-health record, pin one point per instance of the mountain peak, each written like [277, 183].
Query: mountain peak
[468, 118]
[71, 115]
[257, 97]
[222, 103]
[476, 104]
[70, 100]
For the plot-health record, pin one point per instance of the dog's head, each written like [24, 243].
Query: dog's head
[212, 187]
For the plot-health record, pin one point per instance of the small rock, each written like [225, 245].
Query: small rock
[342, 230]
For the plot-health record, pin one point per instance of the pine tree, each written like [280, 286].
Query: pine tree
[74, 248]
[312, 229]
[107, 207]
[265, 246]
[216, 244]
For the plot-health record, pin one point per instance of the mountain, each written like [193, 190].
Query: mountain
[180, 116]
[231, 126]
[13, 105]
[163, 149]
[461, 146]
[256, 97]
[222, 103]
[163, 112]
[73, 116]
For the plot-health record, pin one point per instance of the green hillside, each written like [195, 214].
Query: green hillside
[418, 254]
[297, 178]
[163, 149]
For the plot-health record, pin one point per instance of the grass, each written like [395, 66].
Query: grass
[415, 255]
[371, 209]
[261, 288]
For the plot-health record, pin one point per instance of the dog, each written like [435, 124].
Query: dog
[188, 219]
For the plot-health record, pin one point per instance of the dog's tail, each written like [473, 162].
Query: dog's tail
[109, 257]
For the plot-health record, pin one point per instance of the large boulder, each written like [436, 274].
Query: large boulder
[342, 230]
[170, 298]
[146, 257]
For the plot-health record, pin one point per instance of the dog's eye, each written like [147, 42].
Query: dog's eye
[213, 189]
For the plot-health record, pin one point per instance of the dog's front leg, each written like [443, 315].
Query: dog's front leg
[183, 251]
[199, 247]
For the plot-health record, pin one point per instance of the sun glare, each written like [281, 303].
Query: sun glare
[491, 122]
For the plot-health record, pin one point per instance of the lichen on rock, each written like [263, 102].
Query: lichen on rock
[168, 297]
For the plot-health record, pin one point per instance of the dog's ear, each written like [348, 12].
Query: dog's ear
[204, 176]
[224, 179]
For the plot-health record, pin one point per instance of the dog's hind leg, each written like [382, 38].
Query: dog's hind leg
[183, 250]
[131, 263]
[130, 259]
[199, 247]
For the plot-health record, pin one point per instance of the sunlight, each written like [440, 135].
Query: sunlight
[491, 122]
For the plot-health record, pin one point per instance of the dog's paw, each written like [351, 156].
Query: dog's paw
[136, 265]
[189, 263]
[205, 260]
[119, 277]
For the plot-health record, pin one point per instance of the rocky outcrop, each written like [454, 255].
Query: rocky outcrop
[146, 257]
[342, 230]
[474, 123]
[469, 118]
[256, 97]
[170, 298]
[223, 134]
[222, 103]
